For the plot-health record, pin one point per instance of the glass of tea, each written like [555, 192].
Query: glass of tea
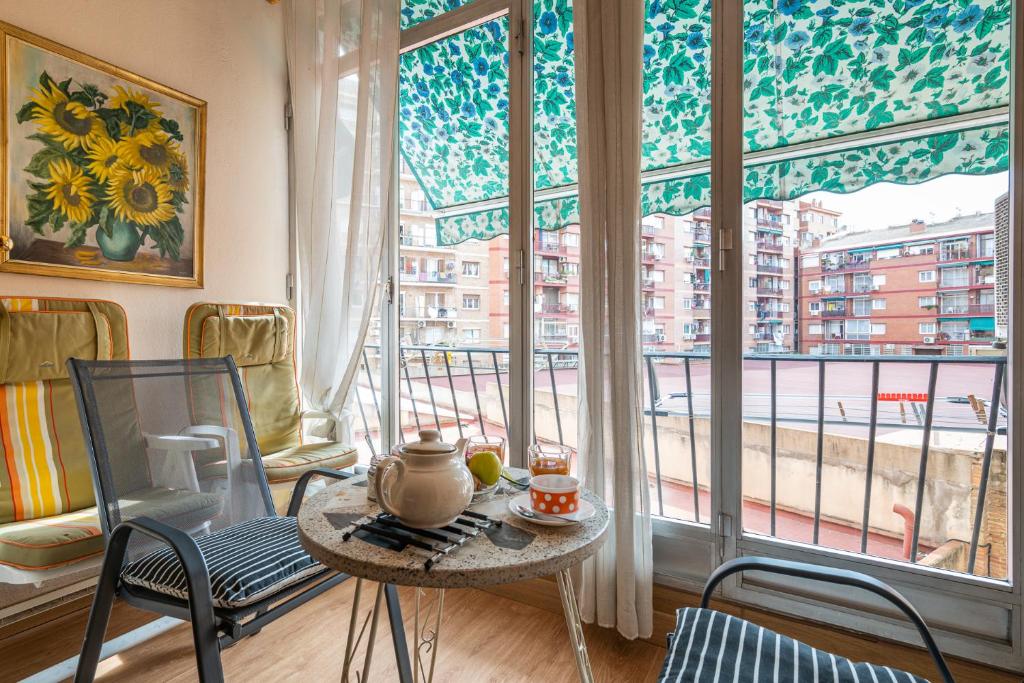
[478, 443]
[547, 458]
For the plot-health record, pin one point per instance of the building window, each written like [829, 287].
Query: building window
[657, 302]
[571, 239]
[504, 298]
[878, 304]
[570, 269]
[835, 283]
[815, 328]
[953, 277]
[891, 252]
[877, 281]
[926, 328]
[920, 249]
[926, 301]
[471, 334]
[862, 306]
[814, 285]
[858, 329]
[814, 308]
[877, 328]
[926, 276]
[810, 261]
[471, 302]
[471, 268]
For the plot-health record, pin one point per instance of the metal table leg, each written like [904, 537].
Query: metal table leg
[355, 635]
[575, 624]
[427, 637]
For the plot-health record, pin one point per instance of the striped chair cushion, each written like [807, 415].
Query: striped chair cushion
[712, 646]
[247, 562]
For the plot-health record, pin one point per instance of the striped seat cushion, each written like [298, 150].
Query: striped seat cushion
[712, 646]
[247, 562]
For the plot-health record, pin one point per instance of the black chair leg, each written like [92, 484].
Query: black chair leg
[99, 614]
[398, 634]
[207, 653]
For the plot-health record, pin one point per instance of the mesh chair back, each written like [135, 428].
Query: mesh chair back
[159, 450]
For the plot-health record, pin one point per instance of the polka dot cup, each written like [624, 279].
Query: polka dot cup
[555, 494]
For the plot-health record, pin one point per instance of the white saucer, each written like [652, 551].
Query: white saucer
[586, 511]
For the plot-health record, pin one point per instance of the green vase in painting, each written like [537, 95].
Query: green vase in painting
[123, 242]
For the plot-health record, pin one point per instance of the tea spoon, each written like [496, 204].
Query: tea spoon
[527, 512]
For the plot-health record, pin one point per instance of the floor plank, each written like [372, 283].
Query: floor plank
[483, 637]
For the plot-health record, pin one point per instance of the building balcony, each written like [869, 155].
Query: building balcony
[702, 236]
[429, 278]
[702, 263]
[552, 279]
[653, 338]
[766, 268]
[702, 337]
[836, 313]
[428, 312]
[770, 291]
[550, 247]
[966, 309]
[846, 266]
[766, 223]
[701, 286]
[555, 309]
[771, 246]
[648, 230]
[648, 283]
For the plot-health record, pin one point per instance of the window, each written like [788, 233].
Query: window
[471, 302]
[571, 239]
[926, 301]
[814, 285]
[891, 252]
[504, 298]
[835, 283]
[878, 304]
[862, 306]
[810, 261]
[986, 246]
[471, 334]
[569, 269]
[926, 328]
[858, 329]
[657, 302]
[814, 307]
[920, 249]
[926, 276]
[815, 328]
[877, 281]
[877, 328]
[958, 276]
[471, 268]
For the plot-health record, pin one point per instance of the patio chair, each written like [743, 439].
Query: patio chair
[220, 557]
[49, 525]
[710, 646]
[261, 339]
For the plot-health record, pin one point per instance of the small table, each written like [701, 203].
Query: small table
[515, 551]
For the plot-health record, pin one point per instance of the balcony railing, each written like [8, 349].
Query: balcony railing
[770, 291]
[703, 236]
[845, 266]
[463, 388]
[701, 262]
[429, 312]
[769, 268]
[833, 313]
[550, 278]
[966, 309]
[421, 243]
[773, 246]
[551, 247]
[440, 278]
[701, 286]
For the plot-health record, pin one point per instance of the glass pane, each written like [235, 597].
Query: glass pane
[416, 11]
[871, 331]
[453, 299]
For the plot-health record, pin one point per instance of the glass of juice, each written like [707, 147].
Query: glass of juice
[476, 444]
[546, 458]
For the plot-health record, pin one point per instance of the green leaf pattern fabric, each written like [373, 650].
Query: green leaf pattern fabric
[813, 70]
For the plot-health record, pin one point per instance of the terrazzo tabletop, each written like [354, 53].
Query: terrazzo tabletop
[514, 551]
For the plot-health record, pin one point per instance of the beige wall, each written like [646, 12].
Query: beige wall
[231, 54]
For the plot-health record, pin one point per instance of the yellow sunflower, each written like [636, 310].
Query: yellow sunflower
[148, 151]
[125, 95]
[103, 158]
[142, 197]
[71, 123]
[177, 173]
[70, 191]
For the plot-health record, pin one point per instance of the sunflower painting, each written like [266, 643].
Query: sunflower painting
[103, 171]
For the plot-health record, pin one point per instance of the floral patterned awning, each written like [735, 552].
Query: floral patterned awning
[816, 71]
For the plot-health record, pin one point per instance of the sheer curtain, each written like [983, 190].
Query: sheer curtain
[343, 74]
[616, 584]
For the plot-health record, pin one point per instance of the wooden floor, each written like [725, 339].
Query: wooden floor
[484, 637]
[509, 633]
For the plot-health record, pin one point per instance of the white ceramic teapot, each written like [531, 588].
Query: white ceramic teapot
[425, 483]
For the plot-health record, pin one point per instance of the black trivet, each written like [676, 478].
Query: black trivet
[385, 531]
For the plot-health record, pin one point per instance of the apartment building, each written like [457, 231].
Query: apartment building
[926, 289]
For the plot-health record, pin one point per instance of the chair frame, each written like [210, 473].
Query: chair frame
[842, 577]
[213, 628]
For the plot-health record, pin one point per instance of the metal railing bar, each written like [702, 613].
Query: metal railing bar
[501, 390]
[986, 466]
[774, 441]
[693, 442]
[923, 469]
[366, 425]
[654, 436]
[430, 389]
[451, 387]
[820, 452]
[870, 469]
[373, 390]
[412, 397]
[476, 394]
[554, 397]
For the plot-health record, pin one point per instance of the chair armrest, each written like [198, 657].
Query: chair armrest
[180, 442]
[300, 486]
[842, 577]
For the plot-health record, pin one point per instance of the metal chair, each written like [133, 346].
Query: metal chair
[738, 653]
[214, 551]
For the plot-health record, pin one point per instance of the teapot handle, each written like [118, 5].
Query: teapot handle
[383, 492]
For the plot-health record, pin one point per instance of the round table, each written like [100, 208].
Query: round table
[515, 551]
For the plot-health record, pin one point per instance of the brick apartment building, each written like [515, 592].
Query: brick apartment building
[911, 289]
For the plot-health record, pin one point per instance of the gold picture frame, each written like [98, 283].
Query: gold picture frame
[103, 170]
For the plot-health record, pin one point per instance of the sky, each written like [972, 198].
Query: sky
[885, 204]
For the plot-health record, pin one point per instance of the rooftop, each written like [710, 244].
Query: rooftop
[979, 222]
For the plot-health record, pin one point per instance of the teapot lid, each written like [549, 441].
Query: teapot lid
[429, 444]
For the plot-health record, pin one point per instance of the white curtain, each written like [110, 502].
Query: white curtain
[616, 584]
[342, 73]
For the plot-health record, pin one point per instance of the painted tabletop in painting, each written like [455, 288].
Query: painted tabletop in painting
[514, 551]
